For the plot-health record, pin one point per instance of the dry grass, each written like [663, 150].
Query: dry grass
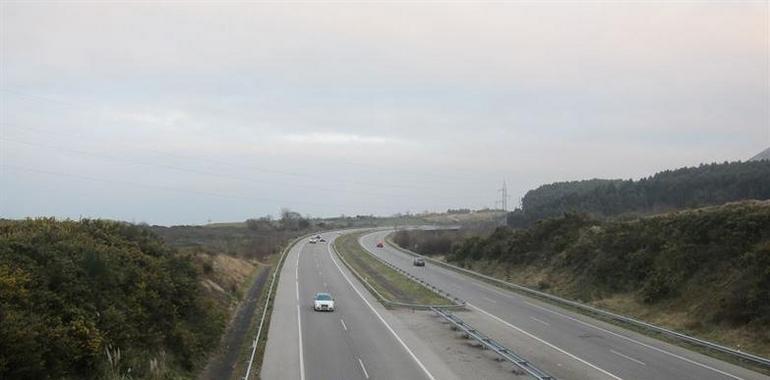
[678, 316]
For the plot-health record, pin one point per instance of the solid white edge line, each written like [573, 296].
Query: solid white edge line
[301, 357]
[398, 338]
[361, 362]
[627, 357]
[544, 342]
[637, 342]
[299, 321]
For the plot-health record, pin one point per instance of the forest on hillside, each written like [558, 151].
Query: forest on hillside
[704, 185]
[98, 299]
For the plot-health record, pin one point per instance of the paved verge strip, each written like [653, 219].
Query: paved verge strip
[493, 345]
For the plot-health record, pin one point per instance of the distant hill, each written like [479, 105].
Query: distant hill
[705, 185]
[763, 155]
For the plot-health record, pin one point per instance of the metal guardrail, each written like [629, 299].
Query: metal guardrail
[493, 345]
[755, 359]
[385, 300]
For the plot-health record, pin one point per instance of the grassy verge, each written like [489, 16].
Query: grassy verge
[245, 349]
[389, 283]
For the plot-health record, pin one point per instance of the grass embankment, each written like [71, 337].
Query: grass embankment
[391, 284]
[705, 272]
[234, 350]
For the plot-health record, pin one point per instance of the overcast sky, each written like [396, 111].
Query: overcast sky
[180, 113]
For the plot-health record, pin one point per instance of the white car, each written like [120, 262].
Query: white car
[323, 302]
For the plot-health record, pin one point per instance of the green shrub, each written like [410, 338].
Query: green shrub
[71, 290]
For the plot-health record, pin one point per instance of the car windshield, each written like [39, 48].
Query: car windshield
[323, 297]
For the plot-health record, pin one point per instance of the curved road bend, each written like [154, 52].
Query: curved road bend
[353, 342]
[609, 350]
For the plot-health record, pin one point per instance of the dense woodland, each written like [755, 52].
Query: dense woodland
[705, 185]
[97, 299]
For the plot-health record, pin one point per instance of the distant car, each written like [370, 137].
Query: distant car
[322, 240]
[418, 262]
[323, 302]
[379, 244]
[318, 237]
[312, 241]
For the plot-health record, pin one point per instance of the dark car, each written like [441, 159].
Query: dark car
[380, 245]
[419, 262]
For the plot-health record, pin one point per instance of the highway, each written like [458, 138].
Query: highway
[356, 341]
[572, 339]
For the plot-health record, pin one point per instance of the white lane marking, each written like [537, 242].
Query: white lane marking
[299, 323]
[637, 342]
[296, 269]
[489, 299]
[544, 342]
[301, 357]
[540, 320]
[366, 374]
[325, 286]
[398, 338]
[343, 325]
[627, 357]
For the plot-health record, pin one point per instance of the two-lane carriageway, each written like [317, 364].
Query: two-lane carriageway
[353, 342]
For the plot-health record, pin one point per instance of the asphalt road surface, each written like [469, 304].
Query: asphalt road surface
[356, 341]
[607, 351]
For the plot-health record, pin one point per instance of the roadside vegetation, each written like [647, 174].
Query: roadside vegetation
[434, 243]
[237, 260]
[254, 239]
[391, 284]
[99, 299]
[704, 271]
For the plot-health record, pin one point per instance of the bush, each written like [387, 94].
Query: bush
[69, 290]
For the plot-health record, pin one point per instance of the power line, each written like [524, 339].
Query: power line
[464, 176]
[242, 166]
[154, 187]
[210, 174]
